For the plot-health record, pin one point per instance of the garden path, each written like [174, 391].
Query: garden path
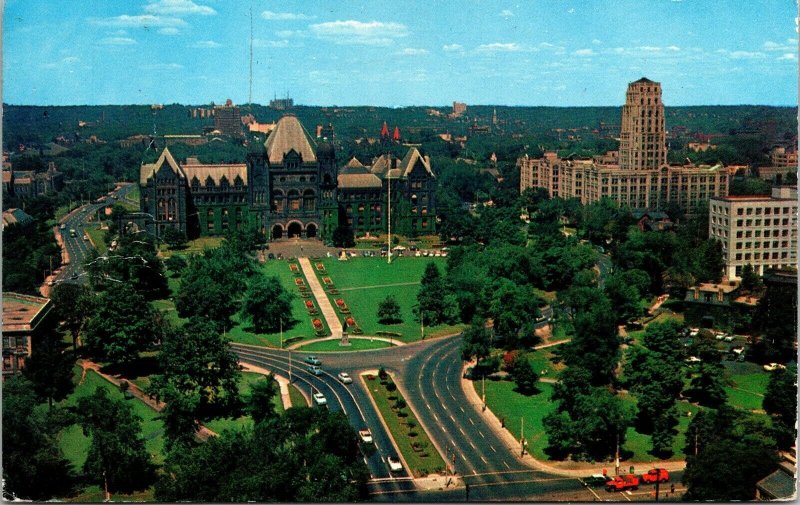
[324, 303]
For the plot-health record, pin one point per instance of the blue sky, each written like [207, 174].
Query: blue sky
[397, 53]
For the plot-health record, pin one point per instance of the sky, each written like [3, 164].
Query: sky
[399, 53]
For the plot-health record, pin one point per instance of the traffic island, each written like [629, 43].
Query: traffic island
[416, 449]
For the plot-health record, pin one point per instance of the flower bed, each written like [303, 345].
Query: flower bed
[317, 324]
[320, 267]
[294, 268]
[309, 304]
[299, 282]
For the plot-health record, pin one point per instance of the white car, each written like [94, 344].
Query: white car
[773, 366]
[693, 359]
[728, 338]
[319, 399]
[345, 378]
[394, 464]
[366, 436]
[315, 370]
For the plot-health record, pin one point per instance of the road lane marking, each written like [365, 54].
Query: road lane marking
[481, 434]
[492, 448]
[471, 421]
[462, 409]
[484, 460]
[506, 465]
[472, 445]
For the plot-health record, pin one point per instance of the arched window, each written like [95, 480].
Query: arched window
[224, 219]
[210, 183]
[309, 199]
[210, 220]
[195, 183]
[223, 183]
[294, 200]
[238, 182]
[277, 200]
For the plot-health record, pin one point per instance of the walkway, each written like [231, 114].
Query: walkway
[304, 343]
[282, 381]
[324, 303]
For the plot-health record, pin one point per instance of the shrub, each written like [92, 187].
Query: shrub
[400, 404]
[412, 433]
[391, 387]
[382, 373]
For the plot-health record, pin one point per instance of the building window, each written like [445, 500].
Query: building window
[294, 200]
[210, 220]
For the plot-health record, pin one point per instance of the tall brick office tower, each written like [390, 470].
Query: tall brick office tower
[643, 137]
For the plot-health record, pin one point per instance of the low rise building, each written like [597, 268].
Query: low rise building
[757, 230]
[24, 317]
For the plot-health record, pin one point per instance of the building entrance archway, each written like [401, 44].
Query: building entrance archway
[277, 232]
[311, 231]
[294, 230]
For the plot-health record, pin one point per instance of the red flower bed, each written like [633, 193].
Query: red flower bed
[309, 304]
[350, 321]
[293, 267]
[320, 267]
[327, 280]
[317, 324]
[298, 281]
[340, 302]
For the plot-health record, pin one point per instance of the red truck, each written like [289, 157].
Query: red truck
[623, 482]
[655, 475]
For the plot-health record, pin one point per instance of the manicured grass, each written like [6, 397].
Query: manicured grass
[298, 400]
[512, 407]
[98, 237]
[419, 465]
[195, 246]
[94, 494]
[356, 344]
[747, 390]
[131, 200]
[303, 329]
[365, 282]
[640, 444]
[76, 446]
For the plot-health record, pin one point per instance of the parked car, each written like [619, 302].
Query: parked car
[313, 360]
[345, 378]
[394, 464]
[773, 366]
[728, 338]
[315, 369]
[655, 474]
[596, 480]
[319, 399]
[366, 436]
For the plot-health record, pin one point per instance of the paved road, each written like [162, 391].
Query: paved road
[78, 248]
[428, 373]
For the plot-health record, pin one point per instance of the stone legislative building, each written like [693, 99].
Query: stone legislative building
[638, 175]
[291, 187]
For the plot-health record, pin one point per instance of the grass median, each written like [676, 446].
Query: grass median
[416, 448]
[356, 344]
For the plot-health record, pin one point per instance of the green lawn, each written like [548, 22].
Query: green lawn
[76, 446]
[746, 391]
[131, 200]
[298, 400]
[302, 330]
[364, 282]
[195, 246]
[421, 462]
[356, 344]
[98, 236]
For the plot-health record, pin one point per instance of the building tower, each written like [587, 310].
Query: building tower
[643, 137]
[328, 205]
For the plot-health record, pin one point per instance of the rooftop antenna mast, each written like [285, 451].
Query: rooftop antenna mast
[250, 96]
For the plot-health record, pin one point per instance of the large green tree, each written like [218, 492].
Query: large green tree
[73, 305]
[780, 402]
[267, 304]
[34, 467]
[389, 311]
[50, 367]
[117, 456]
[123, 324]
[514, 311]
[436, 305]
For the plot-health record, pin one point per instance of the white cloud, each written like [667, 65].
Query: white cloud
[596, 42]
[179, 8]
[285, 34]
[500, 46]
[412, 51]
[162, 66]
[505, 13]
[584, 52]
[788, 56]
[746, 55]
[69, 60]
[451, 48]
[206, 44]
[650, 49]
[372, 33]
[284, 16]
[117, 41]
[142, 21]
[270, 43]
[790, 45]
[168, 31]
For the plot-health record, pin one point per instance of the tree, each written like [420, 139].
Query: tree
[123, 325]
[259, 403]
[198, 364]
[50, 367]
[707, 387]
[389, 311]
[476, 341]
[72, 304]
[175, 264]
[174, 238]
[267, 304]
[436, 305]
[523, 374]
[117, 456]
[780, 402]
[34, 468]
[514, 311]
[133, 262]
[595, 345]
[624, 296]
[751, 281]
[343, 237]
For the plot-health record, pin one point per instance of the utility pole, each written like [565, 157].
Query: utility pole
[616, 457]
[281, 323]
[658, 481]
[522, 436]
[290, 366]
[483, 386]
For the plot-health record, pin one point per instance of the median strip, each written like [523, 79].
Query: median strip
[416, 449]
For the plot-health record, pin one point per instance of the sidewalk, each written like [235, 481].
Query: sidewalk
[563, 468]
[283, 383]
[324, 303]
